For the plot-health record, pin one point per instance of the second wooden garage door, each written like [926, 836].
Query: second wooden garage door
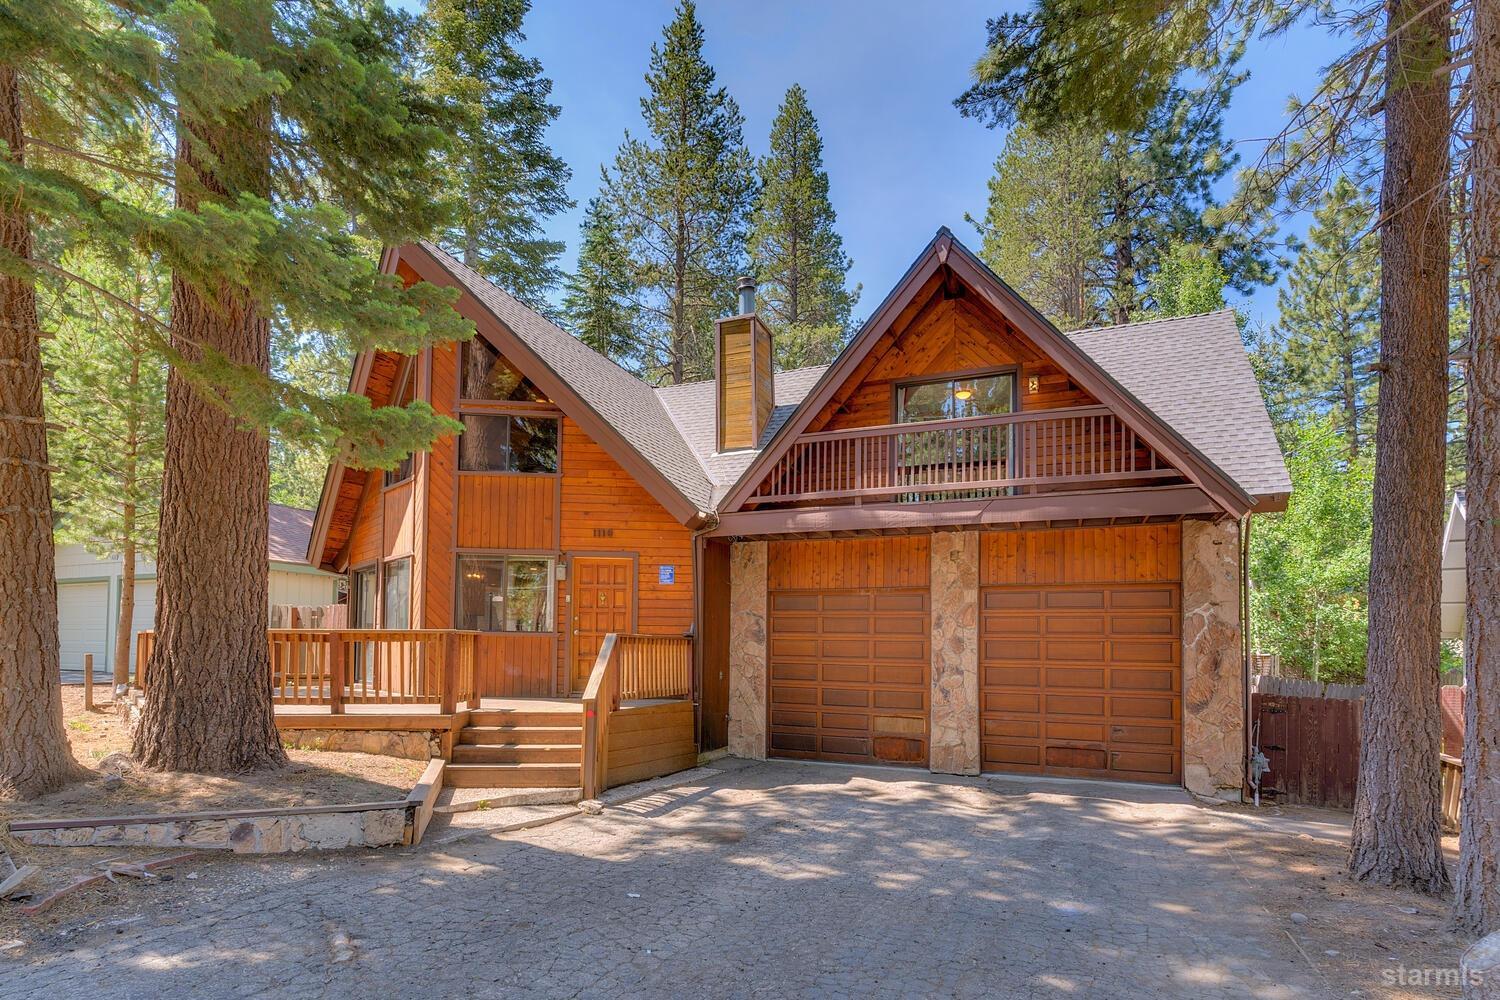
[849, 673]
[1083, 681]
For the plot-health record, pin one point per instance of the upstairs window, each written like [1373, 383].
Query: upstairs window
[488, 376]
[401, 473]
[507, 442]
[954, 398]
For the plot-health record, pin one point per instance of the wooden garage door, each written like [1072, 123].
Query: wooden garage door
[1083, 681]
[849, 675]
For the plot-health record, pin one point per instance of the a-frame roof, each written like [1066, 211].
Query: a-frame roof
[947, 256]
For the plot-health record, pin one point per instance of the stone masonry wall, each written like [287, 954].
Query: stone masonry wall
[1212, 667]
[747, 649]
[955, 653]
[269, 834]
[420, 744]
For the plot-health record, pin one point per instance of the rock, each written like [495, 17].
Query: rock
[591, 807]
[116, 763]
[1480, 969]
[1299, 918]
[112, 781]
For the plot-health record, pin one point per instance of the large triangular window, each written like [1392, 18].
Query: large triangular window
[488, 376]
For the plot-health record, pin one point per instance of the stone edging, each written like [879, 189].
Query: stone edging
[253, 831]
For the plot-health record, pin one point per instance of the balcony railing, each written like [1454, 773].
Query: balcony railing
[1081, 446]
[628, 668]
[338, 667]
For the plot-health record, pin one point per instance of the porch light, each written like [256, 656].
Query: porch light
[963, 392]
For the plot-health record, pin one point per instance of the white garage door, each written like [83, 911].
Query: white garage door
[83, 627]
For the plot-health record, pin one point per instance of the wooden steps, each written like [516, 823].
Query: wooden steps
[528, 745]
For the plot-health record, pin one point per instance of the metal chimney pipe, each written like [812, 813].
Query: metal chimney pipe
[746, 287]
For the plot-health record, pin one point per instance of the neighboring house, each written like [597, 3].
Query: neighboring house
[971, 543]
[1454, 583]
[88, 592]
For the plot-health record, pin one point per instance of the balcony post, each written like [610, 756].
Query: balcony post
[336, 673]
[449, 693]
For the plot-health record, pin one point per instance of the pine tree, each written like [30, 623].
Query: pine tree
[65, 67]
[507, 179]
[106, 404]
[599, 304]
[682, 197]
[1082, 63]
[364, 145]
[1043, 229]
[1081, 218]
[1330, 315]
[795, 250]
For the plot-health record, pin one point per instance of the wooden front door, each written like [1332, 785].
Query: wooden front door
[603, 602]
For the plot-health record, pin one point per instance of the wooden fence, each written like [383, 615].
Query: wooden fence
[628, 668]
[1310, 734]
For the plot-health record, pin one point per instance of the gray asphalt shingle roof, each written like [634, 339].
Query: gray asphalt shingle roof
[627, 403]
[291, 528]
[1192, 371]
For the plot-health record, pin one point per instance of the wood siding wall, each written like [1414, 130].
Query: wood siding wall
[849, 563]
[946, 336]
[606, 512]
[713, 647]
[438, 583]
[498, 510]
[1143, 553]
[650, 740]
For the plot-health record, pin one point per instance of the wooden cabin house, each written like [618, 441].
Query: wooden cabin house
[972, 543]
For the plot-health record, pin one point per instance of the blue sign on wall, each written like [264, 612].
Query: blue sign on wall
[666, 574]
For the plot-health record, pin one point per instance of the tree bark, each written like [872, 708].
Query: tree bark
[208, 706]
[34, 753]
[1396, 838]
[126, 617]
[1477, 903]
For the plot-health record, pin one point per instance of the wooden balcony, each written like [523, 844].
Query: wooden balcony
[335, 668]
[1074, 448]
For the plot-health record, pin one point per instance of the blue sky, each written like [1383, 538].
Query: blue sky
[881, 76]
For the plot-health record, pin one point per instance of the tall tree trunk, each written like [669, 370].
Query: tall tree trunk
[208, 706]
[128, 514]
[1477, 905]
[126, 618]
[1397, 828]
[34, 754]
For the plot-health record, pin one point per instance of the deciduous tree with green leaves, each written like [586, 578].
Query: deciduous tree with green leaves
[507, 180]
[1310, 564]
[1189, 281]
[795, 251]
[682, 196]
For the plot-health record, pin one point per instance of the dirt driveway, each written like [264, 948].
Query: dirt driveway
[786, 880]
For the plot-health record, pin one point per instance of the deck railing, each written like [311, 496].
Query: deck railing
[1453, 782]
[629, 667]
[338, 667]
[983, 456]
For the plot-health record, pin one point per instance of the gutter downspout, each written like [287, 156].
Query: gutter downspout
[1245, 648]
[701, 525]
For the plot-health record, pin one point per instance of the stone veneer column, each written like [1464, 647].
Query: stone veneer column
[955, 652]
[747, 649]
[1213, 732]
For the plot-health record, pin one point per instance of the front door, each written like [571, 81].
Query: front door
[603, 602]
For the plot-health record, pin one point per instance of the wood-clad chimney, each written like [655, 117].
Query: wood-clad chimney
[742, 366]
